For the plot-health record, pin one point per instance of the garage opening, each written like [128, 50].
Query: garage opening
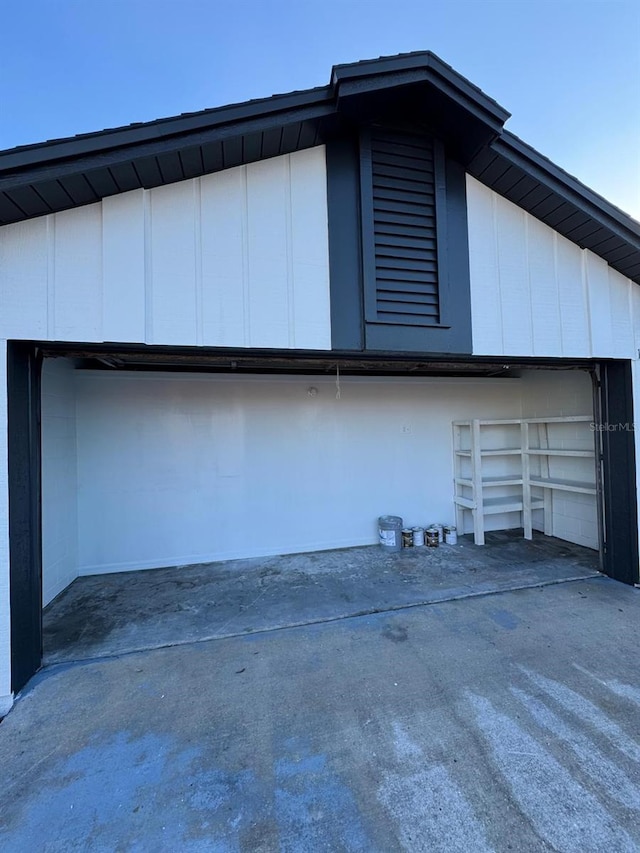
[207, 478]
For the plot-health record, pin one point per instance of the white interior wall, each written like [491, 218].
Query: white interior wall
[59, 478]
[563, 393]
[176, 469]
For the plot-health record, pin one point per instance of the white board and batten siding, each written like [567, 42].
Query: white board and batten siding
[234, 259]
[535, 293]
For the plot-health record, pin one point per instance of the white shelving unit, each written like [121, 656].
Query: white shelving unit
[526, 481]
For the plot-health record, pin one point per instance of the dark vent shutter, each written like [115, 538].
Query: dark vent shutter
[404, 262]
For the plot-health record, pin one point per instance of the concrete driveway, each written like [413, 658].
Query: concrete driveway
[509, 722]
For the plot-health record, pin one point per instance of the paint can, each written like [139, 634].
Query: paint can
[390, 532]
[451, 535]
[418, 536]
[432, 538]
[440, 530]
[407, 538]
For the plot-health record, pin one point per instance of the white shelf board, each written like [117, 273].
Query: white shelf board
[490, 506]
[564, 485]
[569, 419]
[467, 503]
[538, 451]
[501, 422]
[497, 451]
[508, 480]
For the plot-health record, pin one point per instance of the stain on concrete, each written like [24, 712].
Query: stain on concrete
[541, 785]
[505, 619]
[431, 813]
[112, 614]
[315, 809]
[335, 738]
[396, 633]
[603, 770]
[405, 748]
[589, 713]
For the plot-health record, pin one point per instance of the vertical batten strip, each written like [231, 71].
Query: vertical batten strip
[634, 314]
[51, 277]
[148, 270]
[554, 237]
[100, 247]
[587, 298]
[288, 214]
[197, 248]
[496, 247]
[527, 253]
[246, 270]
[103, 274]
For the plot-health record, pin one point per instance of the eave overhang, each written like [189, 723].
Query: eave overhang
[48, 177]
[519, 173]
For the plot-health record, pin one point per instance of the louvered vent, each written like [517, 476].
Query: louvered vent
[404, 224]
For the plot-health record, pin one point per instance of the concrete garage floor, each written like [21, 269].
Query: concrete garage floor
[113, 614]
[504, 722]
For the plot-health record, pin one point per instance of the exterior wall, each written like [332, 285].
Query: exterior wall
[175, 469]
[59, 478]
[534, 293]
[551, 393]
[238, 258]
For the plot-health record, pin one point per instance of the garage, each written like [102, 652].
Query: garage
[248, 332]
[185, 471]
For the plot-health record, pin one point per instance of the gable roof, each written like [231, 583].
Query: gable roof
[60, 174]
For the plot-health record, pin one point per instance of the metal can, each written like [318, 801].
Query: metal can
[407, 538]
[418, 536]
[432, 538]
[440, 530]
[451, 535]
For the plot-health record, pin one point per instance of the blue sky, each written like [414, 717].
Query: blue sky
[568, 70]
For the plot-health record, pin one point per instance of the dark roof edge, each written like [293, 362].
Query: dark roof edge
[92, 155]
[162, 128]
[33, 155]
[422, 59]
[511, 147]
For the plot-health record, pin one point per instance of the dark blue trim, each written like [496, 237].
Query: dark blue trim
[367, 226]
[447, 311]
[25, 550]
[345, 252]
[620, 557]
